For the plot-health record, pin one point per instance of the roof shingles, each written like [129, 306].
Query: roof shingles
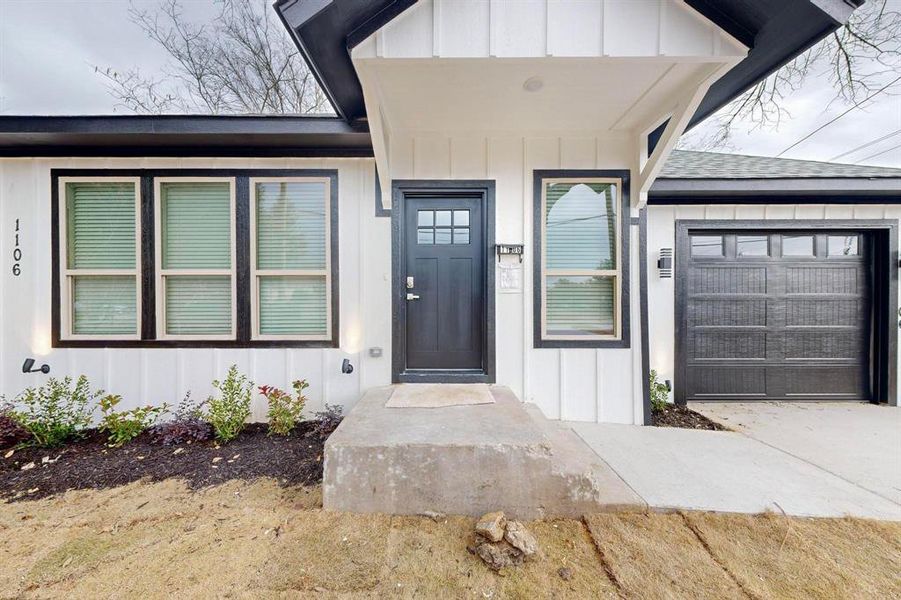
[687, 164]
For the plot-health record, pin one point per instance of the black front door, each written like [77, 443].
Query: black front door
[444, 283]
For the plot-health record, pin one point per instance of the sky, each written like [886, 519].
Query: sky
[49, 48]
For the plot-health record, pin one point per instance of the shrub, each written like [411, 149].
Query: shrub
[659, 393]
[11, 431]
[186, 425]
[126, 425]
[56, 411]
[229, 410]
[284, 409]
[326, 422]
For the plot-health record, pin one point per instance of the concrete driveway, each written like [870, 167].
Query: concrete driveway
[811, 459]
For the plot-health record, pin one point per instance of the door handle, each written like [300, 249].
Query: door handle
[412, 296]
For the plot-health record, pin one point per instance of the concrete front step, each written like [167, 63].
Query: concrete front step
[465, 460]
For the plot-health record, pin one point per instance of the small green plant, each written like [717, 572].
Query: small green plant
[284, 409]
[126, 425]
[56, 411]
[659, 393]
[229, 410]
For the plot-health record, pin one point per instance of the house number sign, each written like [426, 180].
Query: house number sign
[17, 253]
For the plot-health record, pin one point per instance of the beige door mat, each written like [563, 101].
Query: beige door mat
[437, 395]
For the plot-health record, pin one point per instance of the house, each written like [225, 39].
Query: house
[498, 200]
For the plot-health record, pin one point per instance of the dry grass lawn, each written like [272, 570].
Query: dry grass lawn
[260, 540]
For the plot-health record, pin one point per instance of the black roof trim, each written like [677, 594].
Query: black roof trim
[325, 31]
[182, 135]
[775, 30]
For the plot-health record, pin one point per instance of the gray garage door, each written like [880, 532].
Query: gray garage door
[775, 315]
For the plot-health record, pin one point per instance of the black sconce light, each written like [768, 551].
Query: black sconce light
[346, 367]
[665, 263]
[668, 384]
[29, 363]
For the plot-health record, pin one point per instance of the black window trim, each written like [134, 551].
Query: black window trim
[148, 267]
[538, 176]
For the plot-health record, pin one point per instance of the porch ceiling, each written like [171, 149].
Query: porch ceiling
[489, 95]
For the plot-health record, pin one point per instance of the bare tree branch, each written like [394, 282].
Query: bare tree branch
[857, 59]
[240, 62]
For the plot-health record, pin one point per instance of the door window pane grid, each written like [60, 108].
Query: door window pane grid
[442, 227]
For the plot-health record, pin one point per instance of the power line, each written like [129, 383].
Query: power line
[878, 154]
[830, 122]
[867, 145]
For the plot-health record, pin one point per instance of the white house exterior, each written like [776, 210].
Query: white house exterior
[483, 210]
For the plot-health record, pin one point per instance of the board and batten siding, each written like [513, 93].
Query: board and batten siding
[661, 234]
[164, 375]
[579, 384]
[536, 28]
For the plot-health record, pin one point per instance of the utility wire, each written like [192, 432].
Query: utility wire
[867, 145]
[878, 154]
[830, 122]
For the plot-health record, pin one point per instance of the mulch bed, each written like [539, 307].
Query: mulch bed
[675, 415]
[90, 464]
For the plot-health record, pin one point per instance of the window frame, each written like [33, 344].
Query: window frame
[256, 273]
[161, 273]
[621, 336]
[67, 275]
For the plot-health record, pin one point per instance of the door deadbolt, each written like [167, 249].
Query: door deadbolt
[410, 283]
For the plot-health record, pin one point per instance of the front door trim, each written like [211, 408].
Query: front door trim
[884, 355]
[401, 189]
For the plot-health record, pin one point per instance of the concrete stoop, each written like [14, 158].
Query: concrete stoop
[465, 460]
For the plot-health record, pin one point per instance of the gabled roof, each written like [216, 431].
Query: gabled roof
[775, 30]
[687, 164]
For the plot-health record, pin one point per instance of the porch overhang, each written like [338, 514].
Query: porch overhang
[775, 31]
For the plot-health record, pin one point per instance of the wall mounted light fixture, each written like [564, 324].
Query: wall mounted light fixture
[27, 367]
[665, 263]
[346, 367]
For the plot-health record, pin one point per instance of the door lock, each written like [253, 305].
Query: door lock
[410, 283]
[412, 296]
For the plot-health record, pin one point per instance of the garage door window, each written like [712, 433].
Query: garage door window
[752, 245]
[798, 245]
[707, 245]
[842, 245]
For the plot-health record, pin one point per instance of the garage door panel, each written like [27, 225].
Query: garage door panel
[831, 382]
[728, 280]
[845, 279]
[820, 312]
[713, 312]
[726, 381]
[729, 344]
[834, 343]
[770, 326]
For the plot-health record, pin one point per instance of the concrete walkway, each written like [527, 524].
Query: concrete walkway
[822, 460]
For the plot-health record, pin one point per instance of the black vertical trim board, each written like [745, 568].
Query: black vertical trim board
[885, 291]
[242, 258]
[400, 189]
[625, 233]
[643, 318]
[148, 258]
[54, 261]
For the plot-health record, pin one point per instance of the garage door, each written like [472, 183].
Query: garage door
[775, 315]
